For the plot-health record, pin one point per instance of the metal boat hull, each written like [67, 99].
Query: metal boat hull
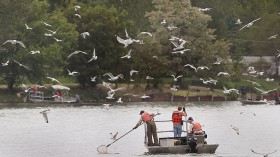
[182, 149]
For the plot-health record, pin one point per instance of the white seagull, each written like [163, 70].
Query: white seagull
[127, 41]
[114, 137]
[163, 22]
[119, 100]
[77, 7]
[228, 91]
[128, 55]
[149, 78]
[6, 63]
[223, 73]
[145, 33]
[27, 27]
[72, 73]
[53, 79]
[176, 78]
[145, 96]
[14, 42]
[249, 24]
[273, 37]
[47, 24]
[112, 77]
[106, 106]
[173, 88]
[57, 40]
[218, 62]
[171, 27]
[205, 82]
[204, 9]
[21, 64]
[78, 15]
[54, 32]
[264, 155]
[181, 51]
[265, 92]
[34, 52]
[191, 66]
[85, 34]
[94, 57]
[254, 83]
[44, 113]
[238, 22]
[93, 79]
[75, 53]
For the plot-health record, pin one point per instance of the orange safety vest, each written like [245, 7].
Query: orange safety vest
[196, 126]
[176, 118]
[146, 117]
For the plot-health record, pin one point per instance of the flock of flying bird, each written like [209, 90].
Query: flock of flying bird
[179, 48]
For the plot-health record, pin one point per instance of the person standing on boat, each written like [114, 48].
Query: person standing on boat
[151, 127]
[177, 121]
[194, 127]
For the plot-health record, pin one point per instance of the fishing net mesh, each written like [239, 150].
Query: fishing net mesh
[102, 149]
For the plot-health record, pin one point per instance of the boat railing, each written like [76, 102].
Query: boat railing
[39, 96]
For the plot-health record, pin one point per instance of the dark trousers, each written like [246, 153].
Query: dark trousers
[152, 133]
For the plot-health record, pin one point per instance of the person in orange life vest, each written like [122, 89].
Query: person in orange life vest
[151, 127]
[194, 127]
[177, 121]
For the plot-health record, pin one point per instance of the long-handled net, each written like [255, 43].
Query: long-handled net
[103, 149]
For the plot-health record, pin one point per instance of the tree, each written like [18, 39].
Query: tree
[192, 26]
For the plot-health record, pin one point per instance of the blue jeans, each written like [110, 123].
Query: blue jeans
[177, 130]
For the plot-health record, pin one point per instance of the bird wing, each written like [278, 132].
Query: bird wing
[122, 41]
[71, 54]
[108, 74]
[126, 34]
[115, 136]
[256, 20]
[69, 72]
[255, 152]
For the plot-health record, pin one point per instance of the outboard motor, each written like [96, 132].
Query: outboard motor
[192, 142]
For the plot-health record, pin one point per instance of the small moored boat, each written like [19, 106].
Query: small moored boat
[253, 102]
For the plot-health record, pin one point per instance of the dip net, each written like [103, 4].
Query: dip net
[102, 149]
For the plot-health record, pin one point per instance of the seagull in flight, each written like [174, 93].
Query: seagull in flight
[181, 51]
[191, 66]
[85, 34]
[21, 64]
[6, 63]
[94, 57]
[269, 80]
[78, 15]
[72, 73]
[145, 33]
[248, 113]
[128, 55]
[273, 37]
[34, 52]
[57, 40]
[93, 79]
[265, 92]
[163, 22]
[14, 42]
[54, 32]
[176, 78]
[114, 137]
[249, 24]
[171, 27]
[112, 77]
[205, 82]
[264, 155]
[145, 96]
[204, 9]
[77, 7]
[119, 100]
[223, 73]
[173, 88]
[27, 27]
[238, 22]
[218, 62]
[131, 73]
[106, 106]
[254, 83]
[44, 113]
[127, 41]
[47, 24]
[149, 78]
[235, 129]
[228, 91]
[53, 79]
[75, 53]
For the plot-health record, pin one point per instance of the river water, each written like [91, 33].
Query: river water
[78, 131]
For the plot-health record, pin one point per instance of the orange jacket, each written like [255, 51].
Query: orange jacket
[196, 127]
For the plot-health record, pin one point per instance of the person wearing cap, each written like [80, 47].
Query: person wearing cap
[177, 121]
[194, 127]
[151, 127]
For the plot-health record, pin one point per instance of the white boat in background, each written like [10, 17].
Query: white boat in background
[64, 98]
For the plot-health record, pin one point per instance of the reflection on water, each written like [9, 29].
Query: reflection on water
[78, 131]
